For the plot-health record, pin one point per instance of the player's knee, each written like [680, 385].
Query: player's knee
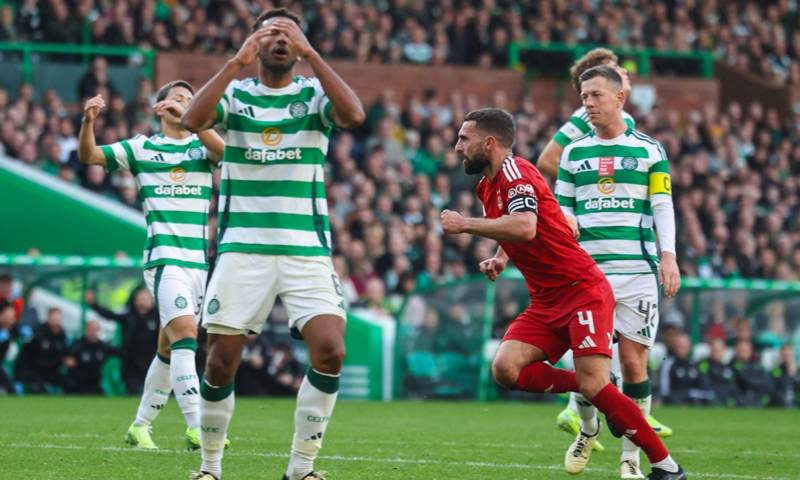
[589, 386]
[220, 370]
[329, 357]
[505, 373]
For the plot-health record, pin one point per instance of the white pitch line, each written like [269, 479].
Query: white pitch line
[412, 461]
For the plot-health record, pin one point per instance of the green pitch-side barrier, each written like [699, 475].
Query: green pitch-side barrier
[448, 334]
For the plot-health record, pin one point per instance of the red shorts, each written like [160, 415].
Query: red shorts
[582, 320]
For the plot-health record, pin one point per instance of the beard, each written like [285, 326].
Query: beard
[276, 68]
[475, 164]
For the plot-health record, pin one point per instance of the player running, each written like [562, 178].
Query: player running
[173, 173]
[572, 305]
[615, 181]
[274, 235]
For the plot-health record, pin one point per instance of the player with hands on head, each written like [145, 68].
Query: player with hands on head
[275, 238]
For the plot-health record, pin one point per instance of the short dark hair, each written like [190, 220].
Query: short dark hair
[164, 91]
[592, 58]
[276, 12]
[604, 71]
[496, 122]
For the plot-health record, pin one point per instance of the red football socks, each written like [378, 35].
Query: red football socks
[626, 415]
[540, 377]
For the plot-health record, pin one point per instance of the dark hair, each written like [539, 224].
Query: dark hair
[275, 12]
[4, 277]
[164, 91]
[592, 58]
[604, 71]
[494, 121]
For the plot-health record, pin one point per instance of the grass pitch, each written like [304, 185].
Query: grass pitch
[81, 438]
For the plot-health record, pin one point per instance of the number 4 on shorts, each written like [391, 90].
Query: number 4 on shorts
[586, 318]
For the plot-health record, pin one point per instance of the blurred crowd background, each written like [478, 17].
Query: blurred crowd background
[735, 172]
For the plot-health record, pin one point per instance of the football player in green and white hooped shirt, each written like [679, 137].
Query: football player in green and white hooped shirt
[615, 182]
[173, 172]
[274, 236]
[578, 125]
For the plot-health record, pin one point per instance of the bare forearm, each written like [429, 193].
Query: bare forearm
[88, 151]
[348, 111]
[509, 228]
[203, 109]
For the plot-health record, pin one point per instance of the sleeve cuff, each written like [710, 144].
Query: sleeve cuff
[111, 159]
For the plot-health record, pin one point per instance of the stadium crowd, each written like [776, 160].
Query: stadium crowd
[40, 356]
[760, 37]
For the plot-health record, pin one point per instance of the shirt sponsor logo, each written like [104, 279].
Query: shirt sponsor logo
[177, 175]
[271, 136]
[606, 185]
[606, 167]
[173, 190]
[265, 156]
[520, 190]
[601, 204]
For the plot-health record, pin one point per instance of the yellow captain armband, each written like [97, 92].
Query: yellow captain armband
[660, 183]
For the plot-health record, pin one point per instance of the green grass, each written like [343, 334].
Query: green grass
[81, 438]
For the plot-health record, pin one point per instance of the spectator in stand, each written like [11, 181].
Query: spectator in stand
[785, 379]
[753, 384]
[7, 295]
[8, 335]
[8, 30]
[251, 378]
[84, 362]
[96, 80]
[40, 360]
[716, 376]
[59, 25]
[285, 373]
[679, 376]
[139, 326]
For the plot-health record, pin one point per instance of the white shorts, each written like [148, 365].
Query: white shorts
[636, 309]
[178, 291]
[244, 286]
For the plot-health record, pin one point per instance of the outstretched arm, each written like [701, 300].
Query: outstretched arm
[347, 111]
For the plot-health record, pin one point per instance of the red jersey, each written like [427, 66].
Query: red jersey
[553, 259]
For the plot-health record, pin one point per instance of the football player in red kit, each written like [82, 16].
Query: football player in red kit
[572, 304]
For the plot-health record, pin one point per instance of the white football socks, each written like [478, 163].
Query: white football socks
[156, 391]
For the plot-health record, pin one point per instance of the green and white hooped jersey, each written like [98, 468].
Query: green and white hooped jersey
[174, 180]
[579, 125]
[608, 185]
[272, 195]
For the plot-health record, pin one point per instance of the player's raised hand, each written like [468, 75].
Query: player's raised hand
[297, 39]
[493, 267]
[669, 274]
[93, 107]
[169, 109]
[452, 222]
[249, 49]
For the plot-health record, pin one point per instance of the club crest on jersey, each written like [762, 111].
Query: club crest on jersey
[195, 153]
[630, 163]
[298, 109]
[520, 190]
[606, 185]
[271, 136]
[606, 167]
[177, 175]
